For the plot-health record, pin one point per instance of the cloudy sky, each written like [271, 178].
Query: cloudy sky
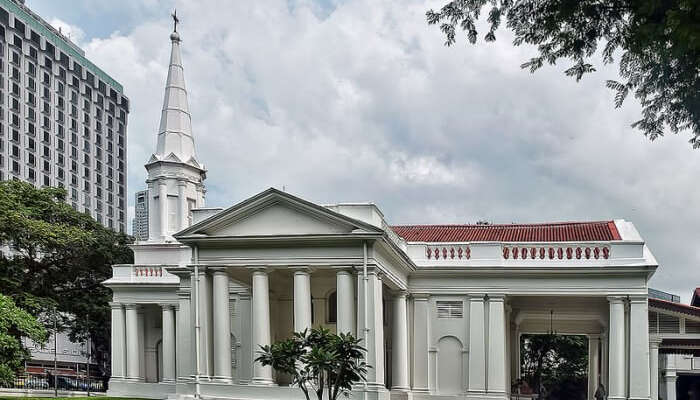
[358, 100]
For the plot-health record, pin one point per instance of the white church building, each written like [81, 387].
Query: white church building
[440, 308]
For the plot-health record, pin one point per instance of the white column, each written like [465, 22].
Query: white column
[399, 343]
[616, 349]
[133, 366]
[262, 375]
[345, 297]
[639, 348]
[421, 329]
[168, 375]
[654, 367]
[206, 322]
[182, 204]
[142, 342]
[370, 317]
[477, 345]
[302, 300]
[151, 197]
[118, 342]
[222, 327]
[185, 326]
[163, 207]
[497, 347]
[670, 378]
[593, 360]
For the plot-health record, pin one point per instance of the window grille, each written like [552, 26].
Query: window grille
[449, 309]
[668, 324]
[692, 326]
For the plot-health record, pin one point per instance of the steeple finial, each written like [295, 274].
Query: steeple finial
[175, 20]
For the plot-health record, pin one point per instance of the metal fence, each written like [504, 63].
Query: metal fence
[63, 382]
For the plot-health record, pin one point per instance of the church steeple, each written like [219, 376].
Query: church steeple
[175, 176]
[175, 140]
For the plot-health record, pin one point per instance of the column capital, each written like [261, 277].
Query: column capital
[132, 306]
[616, 299]
[259, 271]
[344, 271]
[420, 296]
[654, 342]
[168, 307]
[116, 305]
[301, 270]
[217, 271]
[400, 293]
[594, 336]
[496, 297]
[162, 182]
[638, 298]
[475, 297]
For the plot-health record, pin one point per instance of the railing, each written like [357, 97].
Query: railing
[63, 382]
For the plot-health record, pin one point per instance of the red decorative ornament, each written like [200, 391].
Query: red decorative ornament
[429, 253]
[437, 253]
[516, 253]
[596, 253]
[523, 253]
[588, 253]
[560, 253]
[444, 253]
[459, 253]
[506, 253]
[452, 253]
[533, 253]
[551, 253]
[542, 253]
[606, 253]
[468, 253]
[569, 253]
[578, 253]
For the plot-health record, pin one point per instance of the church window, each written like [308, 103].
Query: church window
[449, 309]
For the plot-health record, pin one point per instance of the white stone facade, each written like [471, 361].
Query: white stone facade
[440, 318]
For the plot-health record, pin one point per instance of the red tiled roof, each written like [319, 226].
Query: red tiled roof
[549, 232]
[677, 307]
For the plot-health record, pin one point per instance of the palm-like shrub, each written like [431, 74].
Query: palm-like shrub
[318, 361]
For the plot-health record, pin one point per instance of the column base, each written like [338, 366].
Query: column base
[638, 398]
[617, 398]
[400, 389]
[168, 381]
[221, 379]
[262, 382]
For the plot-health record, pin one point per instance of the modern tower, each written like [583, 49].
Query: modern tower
[62, 119]
[139, 225]
[175, 177]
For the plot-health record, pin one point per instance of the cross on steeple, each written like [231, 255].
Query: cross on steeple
[175, 20]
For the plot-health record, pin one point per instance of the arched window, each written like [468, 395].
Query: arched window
[333, 308]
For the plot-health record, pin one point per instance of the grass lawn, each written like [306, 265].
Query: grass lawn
[69, 398]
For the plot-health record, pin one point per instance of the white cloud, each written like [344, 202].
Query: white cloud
[72, 32]
[363, 103]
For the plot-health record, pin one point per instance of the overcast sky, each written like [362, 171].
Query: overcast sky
[358, 100]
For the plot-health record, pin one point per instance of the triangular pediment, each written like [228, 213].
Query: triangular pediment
[275, 213]
[172, 158]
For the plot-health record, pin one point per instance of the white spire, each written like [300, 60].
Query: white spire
[175, 141]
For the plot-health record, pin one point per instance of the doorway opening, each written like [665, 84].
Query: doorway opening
[554, 366]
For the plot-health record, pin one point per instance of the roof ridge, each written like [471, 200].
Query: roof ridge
[513, 225]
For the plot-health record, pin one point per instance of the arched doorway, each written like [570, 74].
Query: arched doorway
[449, 366]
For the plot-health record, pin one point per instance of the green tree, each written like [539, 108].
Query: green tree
[59, 257]
[557, 363]
[318, 360]
[15, 324]
[658, 44]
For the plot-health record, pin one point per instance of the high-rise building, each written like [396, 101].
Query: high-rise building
[140, 223]
[62, 119]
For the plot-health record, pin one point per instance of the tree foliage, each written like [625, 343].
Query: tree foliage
[556, 363]
[318, 360]
[59, 257]
[657, 41]
[15, 324]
